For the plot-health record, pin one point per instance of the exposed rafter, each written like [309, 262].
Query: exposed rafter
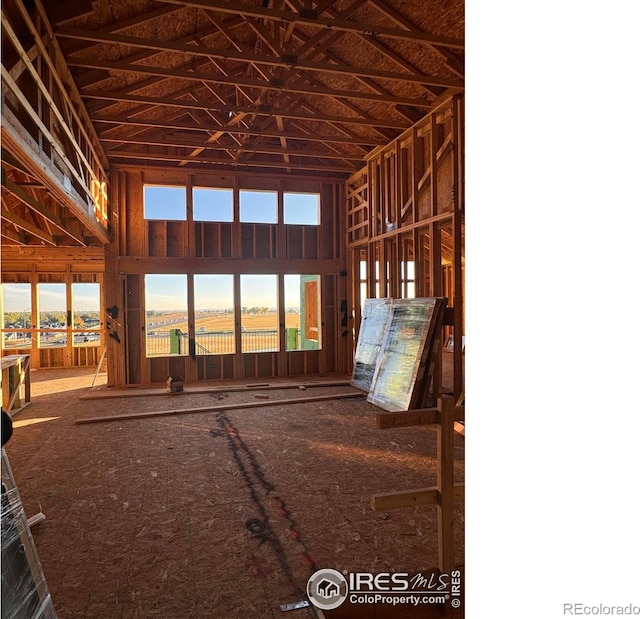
[289, 85]
[290, 61]
[274, 84]
[260, 110]
[122, 120]
[309, 17]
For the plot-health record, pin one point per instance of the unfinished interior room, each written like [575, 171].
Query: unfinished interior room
[233, 309]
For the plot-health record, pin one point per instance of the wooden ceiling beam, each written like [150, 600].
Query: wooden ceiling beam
[312, 137]
[282, 61]
[257, 149]
[93, 77]
[243, 81]
[261, 110]
[303, 130]
[283, 142]
[229, 162]
[310, 18]
[133, 22]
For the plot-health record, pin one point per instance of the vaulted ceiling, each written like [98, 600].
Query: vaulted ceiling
[279, 86]
[287, 88]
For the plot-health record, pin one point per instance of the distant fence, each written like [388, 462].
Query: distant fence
[161, 343]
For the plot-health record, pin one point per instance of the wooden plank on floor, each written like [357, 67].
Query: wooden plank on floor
[139, 393]
[225, 407]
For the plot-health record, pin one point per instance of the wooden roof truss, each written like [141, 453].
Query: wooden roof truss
[304, 87]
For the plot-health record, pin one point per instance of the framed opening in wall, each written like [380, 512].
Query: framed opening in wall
[214, 314]
[166, 315]
[302, 317]
[258, 207]
[165, 202]
[259, 321]
[52, 315]
[301, 209]
[85, 300]
[16, 316]
[212, 204]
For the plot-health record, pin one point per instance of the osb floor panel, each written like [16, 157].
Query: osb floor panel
[218, 514]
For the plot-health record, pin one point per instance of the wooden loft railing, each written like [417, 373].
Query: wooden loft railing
[46, 131]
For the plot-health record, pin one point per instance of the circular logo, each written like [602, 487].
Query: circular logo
[327, 589]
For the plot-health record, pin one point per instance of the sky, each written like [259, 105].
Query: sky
[168, 292]
[16, 297]
[53, 297]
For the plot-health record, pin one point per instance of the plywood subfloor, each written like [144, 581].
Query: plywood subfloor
[220, 514]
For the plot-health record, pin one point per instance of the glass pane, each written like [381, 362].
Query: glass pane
[302, 208]
[161, 202]
[52, 301]
[16, 304]
[166, 315]
[85, 299]
[302, 316]
[259, 294]
[259, 207]
[52, 339]
[215, 321]
[212, 204]
[408, 279]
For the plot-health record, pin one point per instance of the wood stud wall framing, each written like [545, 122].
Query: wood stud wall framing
[416, 184]
[67, 265]
[192, 247]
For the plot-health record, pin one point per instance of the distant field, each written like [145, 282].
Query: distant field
[223, 322]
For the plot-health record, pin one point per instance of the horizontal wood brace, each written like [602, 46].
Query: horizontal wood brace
[229, 266]
[442, 217]
[417, 417]
[411, 498]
